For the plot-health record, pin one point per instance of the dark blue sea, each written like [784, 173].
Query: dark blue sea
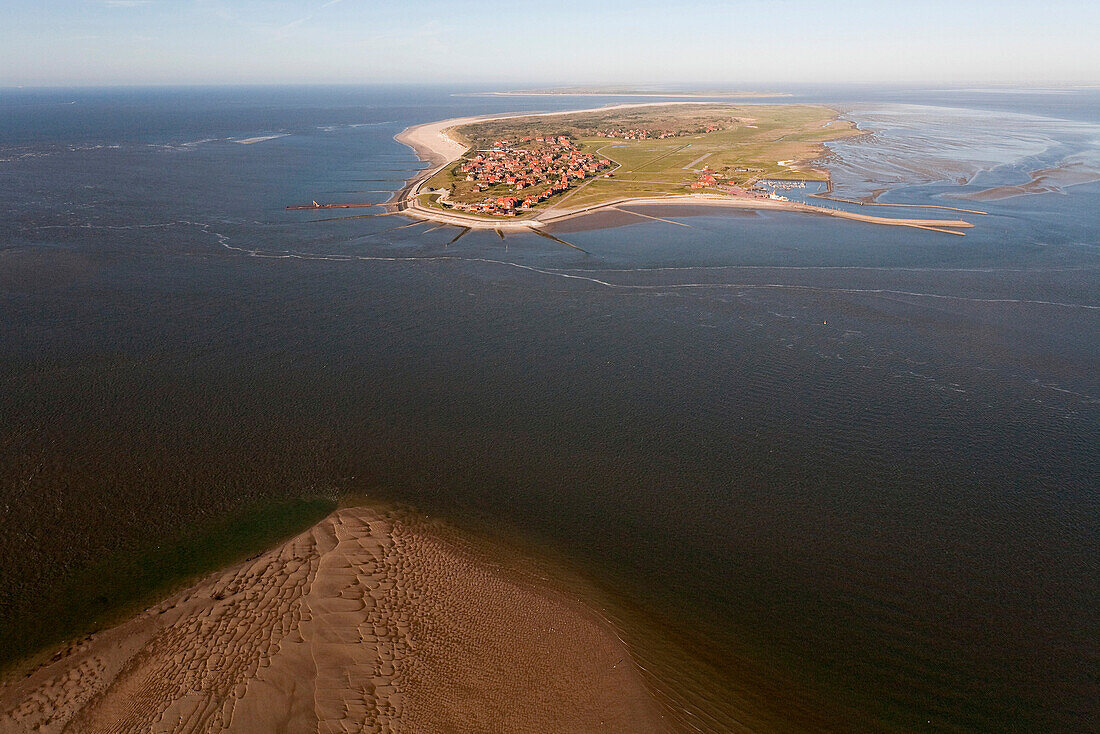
[850, 472]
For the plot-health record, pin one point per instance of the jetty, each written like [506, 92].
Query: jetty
[315, 205]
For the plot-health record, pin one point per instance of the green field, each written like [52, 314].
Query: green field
[751, 144]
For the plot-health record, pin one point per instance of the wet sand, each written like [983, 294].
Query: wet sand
[1054, 179]
[370, 621]
[626, 214]
[698, 202]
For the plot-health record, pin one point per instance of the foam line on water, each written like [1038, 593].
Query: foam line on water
[580, 273]
[561, 273]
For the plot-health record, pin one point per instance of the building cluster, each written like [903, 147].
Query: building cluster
[707, 178]
[783, 184]
[547, 166]
[645, 134]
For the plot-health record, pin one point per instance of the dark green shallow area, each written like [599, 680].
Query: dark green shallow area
[827, 476]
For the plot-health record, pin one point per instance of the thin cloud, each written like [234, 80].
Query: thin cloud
[282, 31]
[126, 3]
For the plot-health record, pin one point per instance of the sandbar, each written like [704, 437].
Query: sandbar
[686, 95]
[370, 621]
[257, 139]
[1050, 180]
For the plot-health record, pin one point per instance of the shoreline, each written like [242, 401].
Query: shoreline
[115, 586]
[746, 95]
[433, 145]
[371, 618]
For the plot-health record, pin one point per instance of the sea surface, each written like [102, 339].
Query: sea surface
[852, 471]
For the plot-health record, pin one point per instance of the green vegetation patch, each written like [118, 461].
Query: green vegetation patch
[104, 593]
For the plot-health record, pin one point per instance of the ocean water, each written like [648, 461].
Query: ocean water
[852, 469]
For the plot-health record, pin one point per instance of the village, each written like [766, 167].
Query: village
[644, 134]
[533, 168]
[536, 168]
[523, 174]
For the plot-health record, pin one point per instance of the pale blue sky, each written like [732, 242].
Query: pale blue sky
[92, 42]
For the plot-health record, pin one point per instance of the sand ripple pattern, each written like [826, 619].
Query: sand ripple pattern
[367, 622]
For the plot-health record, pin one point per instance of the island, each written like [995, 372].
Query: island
[629, 90]
[525, 172]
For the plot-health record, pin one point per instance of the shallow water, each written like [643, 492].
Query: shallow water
[918, 144]
[860, 461]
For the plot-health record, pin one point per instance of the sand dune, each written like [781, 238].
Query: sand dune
[369, 621]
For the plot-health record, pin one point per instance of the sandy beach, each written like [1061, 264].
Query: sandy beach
[370, 621]
[723, 95]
